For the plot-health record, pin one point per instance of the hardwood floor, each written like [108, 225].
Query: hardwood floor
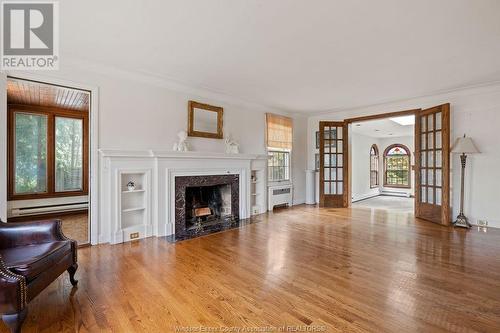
[339, 270]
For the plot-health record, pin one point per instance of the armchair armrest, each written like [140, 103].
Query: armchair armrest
[13, 297]
[26, 233]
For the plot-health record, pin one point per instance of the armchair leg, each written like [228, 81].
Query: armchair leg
[15, 321]
[72, 271]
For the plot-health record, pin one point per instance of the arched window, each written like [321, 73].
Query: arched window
[397, 166]
[374, 166]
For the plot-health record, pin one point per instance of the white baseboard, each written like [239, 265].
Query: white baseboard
[365, 196]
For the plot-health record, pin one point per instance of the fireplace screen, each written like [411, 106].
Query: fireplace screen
[207, 205]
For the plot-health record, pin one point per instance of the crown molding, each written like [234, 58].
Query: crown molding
[465, 90]
[167, 83]
[215, 96]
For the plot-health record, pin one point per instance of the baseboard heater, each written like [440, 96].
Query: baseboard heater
[49, 209]
[280, 195]
[396, 194]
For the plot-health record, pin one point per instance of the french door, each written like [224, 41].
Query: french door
[432, 170]
[334, 181]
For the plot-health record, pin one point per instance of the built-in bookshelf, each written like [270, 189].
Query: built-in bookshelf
[258, 191]
[133, 204]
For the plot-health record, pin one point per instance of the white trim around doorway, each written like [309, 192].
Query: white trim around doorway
[94, 141]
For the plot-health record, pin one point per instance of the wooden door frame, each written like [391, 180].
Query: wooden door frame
[94, 190]
[349, 122]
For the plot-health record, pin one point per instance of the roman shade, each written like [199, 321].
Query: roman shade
[279, 131]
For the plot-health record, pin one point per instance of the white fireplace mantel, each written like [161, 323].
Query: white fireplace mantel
[160, 169]
[178, 154]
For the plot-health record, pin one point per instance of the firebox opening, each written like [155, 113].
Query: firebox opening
[207, 205]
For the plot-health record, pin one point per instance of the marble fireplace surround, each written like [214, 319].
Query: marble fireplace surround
[182, 182]
[162, 168]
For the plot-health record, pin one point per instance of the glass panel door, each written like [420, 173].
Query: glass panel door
[433, 149]
[333, 148]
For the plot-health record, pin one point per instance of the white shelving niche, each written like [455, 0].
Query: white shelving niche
[258, 185]
[134, 210]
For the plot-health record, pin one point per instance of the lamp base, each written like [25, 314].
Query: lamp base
[462, 222]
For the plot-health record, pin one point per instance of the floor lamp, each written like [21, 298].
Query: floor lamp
[463, 146]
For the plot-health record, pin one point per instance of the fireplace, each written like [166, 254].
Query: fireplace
[205, 204]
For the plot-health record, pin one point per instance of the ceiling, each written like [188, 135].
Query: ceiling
[382, 128]
[296, 55]
[35, 93]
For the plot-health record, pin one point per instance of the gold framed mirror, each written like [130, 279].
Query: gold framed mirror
[205, 120]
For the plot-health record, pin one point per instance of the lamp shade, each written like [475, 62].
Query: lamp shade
[464, 145]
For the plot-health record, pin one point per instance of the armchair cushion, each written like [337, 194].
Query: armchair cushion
[32, 260]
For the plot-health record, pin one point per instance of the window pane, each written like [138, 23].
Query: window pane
[423, 194]
[423, 179]
[340, 187]
[327, 174]
[430, 177]
[439, 158]
[430, 140]
[30, 153]
[397, 166]
[438, 177]
[278, 165]
[333, 188]
[438, 139]
[430, 195]
[438, 196]
[327, 160]
[438, 120]
[430, 158]
[69, 154]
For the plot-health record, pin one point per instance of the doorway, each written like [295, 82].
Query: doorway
[48, 146]
[383, 163]
[430, 170]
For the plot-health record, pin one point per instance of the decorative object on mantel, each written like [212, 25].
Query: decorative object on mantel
[131, 186]
[205, 120]
[463, 146]
[182, 145]
[232, 147]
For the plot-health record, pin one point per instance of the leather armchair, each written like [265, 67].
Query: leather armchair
[32, 255]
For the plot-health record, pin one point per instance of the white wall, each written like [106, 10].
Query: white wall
[360, 161]
[360, 157]
[139, 112]
[299, 159]
[474, 111]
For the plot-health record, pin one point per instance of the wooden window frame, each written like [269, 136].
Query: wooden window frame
[51, 113]
[377, 155]
[408, 154]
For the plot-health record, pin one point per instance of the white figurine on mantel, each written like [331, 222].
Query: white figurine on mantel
[182, 145]
[232, 147]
